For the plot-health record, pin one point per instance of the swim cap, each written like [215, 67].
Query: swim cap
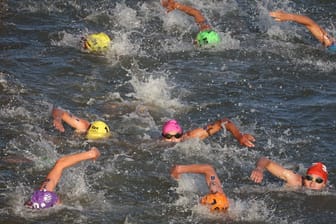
[42, 199]
[97, 130]
[332, 48]
[318, 169]
[98, 42]
[207, 37]
[171, 126]
[216, 201]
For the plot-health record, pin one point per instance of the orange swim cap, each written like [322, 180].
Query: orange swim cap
[216, 201]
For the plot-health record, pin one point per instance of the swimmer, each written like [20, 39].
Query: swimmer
[45, 197]
[96, 130]
[316, 176]
[173, 132]
[318, 32]
[216, 199]
[96, 43]
[206, 36]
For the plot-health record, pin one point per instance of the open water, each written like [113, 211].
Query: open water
[274, 80]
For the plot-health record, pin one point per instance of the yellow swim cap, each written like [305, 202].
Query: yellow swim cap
[98, 130]
[97, 43]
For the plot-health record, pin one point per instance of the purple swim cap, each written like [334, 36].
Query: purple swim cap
[171, 126]
[42, 199]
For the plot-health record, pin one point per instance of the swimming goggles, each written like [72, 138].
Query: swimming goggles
[169, 136]
[318, 180]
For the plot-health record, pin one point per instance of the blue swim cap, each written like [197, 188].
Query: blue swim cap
[332, 48]
[207, 37]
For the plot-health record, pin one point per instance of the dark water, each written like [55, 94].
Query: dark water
[273, 80]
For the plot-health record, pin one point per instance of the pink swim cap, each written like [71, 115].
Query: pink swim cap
[172, 126]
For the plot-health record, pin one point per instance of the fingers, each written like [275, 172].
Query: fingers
[276, 15]
[95, 153]
[250, 137]
[169, 4]
[58, 125]
[249, 144]
[256, 176]
[247, 140]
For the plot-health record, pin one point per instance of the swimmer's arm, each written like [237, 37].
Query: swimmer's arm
[208, 171]
[59, 115]
[209, 130]
[205, 169]
[64, 162]
[276, 170]
[169, 4]
[203, 133]
[243, 139]
[318, 32]
[199, 18]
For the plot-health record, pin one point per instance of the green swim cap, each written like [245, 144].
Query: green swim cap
[206, 37]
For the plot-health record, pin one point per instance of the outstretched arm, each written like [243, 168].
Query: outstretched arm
[199, 18]
[318, 32]
[208, 171]
[243, 139]
[211, 129]
[66, 161]
[59, 115]
[291, 178]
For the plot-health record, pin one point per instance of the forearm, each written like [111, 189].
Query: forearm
[57, 113]
[262, 163]
[318, 32]
[203, 133]
[213, 128]
[231, 127]
[81, 125]
[205, 169]
[64, 162]
[198, 17]
[304, 20]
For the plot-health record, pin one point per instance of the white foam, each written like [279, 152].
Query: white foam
[155, 91]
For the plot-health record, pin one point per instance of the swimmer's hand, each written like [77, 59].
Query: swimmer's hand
[279, 16]
[257, 175]
[58, 125]
[174, 173]
[57, 122]
[94, 153]
[169, 4]
[247, 140]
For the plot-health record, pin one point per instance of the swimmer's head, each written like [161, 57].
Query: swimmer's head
[316, 177]
[42, 199]
[98, 130]
[216, 202]
[171, 126]
[318, 169]
[97, 43]
[207, 38]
